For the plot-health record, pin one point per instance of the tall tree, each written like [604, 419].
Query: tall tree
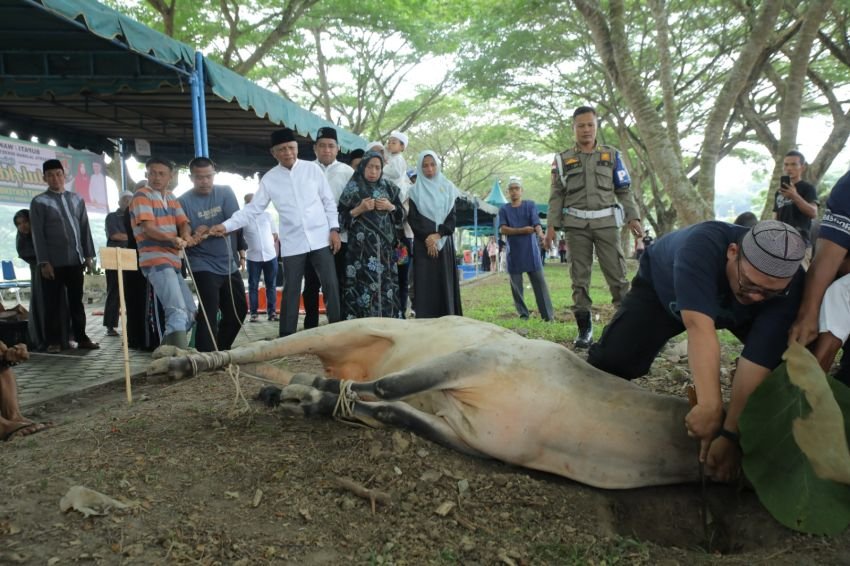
[612, 45]
[802, 79]
[353, 63]
[240, 35]
[551, 61]
[479, 142]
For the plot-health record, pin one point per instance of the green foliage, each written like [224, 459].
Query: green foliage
[520, 67]
[490, 300]
[780, 473]
[479, 142]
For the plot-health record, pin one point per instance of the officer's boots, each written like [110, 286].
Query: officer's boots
[585, 330]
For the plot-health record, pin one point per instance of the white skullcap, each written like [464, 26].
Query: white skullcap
[514, 180]
[400, 137]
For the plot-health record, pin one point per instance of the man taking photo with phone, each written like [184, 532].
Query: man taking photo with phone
[796, 201]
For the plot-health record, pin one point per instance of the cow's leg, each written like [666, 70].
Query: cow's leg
[444, 372]
[312, 402]
[347, 349]
[267, 372]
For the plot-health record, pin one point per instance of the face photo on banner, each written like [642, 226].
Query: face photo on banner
[21, 175]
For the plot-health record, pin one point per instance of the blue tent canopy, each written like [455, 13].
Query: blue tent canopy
[496, 198]
[85, 75]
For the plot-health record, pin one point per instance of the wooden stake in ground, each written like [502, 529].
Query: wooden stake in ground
[121, 259]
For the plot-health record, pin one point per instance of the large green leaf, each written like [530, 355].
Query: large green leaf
[783, 476]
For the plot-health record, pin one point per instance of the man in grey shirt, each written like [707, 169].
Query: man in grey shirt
[213, 261]
[63, 250]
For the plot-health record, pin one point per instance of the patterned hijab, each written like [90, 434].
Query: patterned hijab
[374, 189]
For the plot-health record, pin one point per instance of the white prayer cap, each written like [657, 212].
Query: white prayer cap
[400, 137]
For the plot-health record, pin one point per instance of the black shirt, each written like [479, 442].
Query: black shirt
[687, 269]
[788, 212]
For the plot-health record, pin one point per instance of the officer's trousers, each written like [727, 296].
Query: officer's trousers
[581, 243]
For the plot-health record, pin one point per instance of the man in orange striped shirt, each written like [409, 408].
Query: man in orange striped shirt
[162, 230]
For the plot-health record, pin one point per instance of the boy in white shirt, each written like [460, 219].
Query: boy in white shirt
[396, 168]
[396, 171]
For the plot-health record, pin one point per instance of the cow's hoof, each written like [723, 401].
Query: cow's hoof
[297, 394]
[269, 396]
[306, 400]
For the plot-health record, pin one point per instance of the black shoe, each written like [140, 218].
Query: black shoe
[585, 331]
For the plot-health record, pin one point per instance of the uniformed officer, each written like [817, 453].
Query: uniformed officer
[590, 201]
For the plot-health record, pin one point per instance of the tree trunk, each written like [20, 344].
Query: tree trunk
[612, 45]
[735, 82]
[322, 67]
[792, 99]
[668, 89]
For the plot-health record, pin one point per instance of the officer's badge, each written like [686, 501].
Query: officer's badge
[571, 163]
[605, 156]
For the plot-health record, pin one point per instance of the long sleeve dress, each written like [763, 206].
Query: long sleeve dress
[435, 280]
[371, 276]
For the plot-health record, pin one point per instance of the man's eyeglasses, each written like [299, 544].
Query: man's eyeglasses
[747, 287]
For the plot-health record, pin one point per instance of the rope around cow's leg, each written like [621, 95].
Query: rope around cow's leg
[344, 408]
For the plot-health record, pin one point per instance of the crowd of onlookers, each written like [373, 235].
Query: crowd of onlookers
[352, 233]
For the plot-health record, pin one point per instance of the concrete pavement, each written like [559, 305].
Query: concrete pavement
[49, 376]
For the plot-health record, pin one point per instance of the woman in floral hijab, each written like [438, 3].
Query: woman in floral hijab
[371, 212]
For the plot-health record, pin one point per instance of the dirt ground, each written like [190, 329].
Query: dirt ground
[210, 483]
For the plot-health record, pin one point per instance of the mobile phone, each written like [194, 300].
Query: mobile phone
[784, 180]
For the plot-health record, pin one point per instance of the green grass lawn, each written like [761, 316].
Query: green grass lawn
[490, 300]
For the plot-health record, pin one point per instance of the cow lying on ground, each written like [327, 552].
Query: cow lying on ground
[482, 390]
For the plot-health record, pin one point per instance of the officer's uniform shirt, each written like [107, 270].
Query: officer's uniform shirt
[590, 182]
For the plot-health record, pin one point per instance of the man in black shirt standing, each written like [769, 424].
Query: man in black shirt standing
[796, 203]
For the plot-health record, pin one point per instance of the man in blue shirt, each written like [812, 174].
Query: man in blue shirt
[520, 222]
[699, 279]
[213, 260]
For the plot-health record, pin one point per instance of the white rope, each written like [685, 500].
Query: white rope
[200, 300]
[344, 408]
[233, 373]
[232, 369]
